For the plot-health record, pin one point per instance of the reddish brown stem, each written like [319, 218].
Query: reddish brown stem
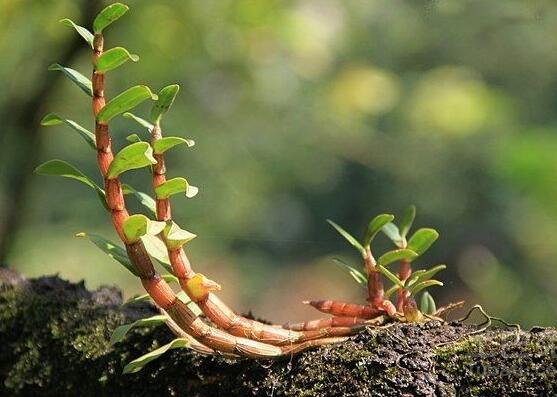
[342, 309]
[404, 272]
[334, 322]
[374, 281]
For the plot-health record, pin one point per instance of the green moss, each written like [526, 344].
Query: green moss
[55, 343]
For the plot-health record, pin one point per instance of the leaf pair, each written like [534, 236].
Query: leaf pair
[165, 99]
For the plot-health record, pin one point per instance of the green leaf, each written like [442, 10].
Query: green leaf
[391, 276]
[136, 299]
[414, 289]
[157, 249]
[355, 243]
[66, 170]
[391, 291]
[143, 198]
[427, 304]
[80, 80]
[54, 119]
[139, 225]
[125, 101]
[137, 364]
[171, 187]
[375, 226]
[425, 274]
[109, 15]
[165, 101]
[136, 155]
[392, 232]
[407, 220]
[133, 138]
[119, 333]
[83, 32]
[396, 255]
[138, 120]
[113, 58]
[422, 240]
[176, 237]
[354, 273]
[162, 145]
[112, 250]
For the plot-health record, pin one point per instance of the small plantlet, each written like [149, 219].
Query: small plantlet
[154, 240]
[405, 284]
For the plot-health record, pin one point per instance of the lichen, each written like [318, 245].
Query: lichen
[56, 343]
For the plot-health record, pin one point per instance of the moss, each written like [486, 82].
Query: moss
[55, 343]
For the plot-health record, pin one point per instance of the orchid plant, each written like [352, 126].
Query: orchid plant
[153, 241]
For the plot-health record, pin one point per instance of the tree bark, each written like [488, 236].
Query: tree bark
[55, 342]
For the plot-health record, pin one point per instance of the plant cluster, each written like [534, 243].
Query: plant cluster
[153, 240]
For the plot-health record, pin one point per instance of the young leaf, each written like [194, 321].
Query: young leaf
[163, 144]
[171, 187]
[54, 119]
[415, 288]
[139, 225]
[136, 155]
[66, 170]
[77, 78]
[125, 101]
[354, 273]
[138, 120]
[83, 32]
[392, 232]
[108, 15]
[407, 220]
[391, 291]
[121, 331]
[133, 138]
[425, 274]
[427, 304]
[391, 276]
[375, 226]
[355, 243]
[422, 240]
[415, 275]
[165, 101]
[112, 250]
[113, 58]
[176, 237]
[143, 198]
[396, 255]
[137, 364]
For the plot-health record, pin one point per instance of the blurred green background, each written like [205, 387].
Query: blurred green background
[301, 111]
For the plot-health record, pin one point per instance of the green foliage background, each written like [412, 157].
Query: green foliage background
[313, 109]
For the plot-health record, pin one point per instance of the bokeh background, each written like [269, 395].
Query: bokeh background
[304, 110]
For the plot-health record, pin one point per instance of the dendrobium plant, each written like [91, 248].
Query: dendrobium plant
[199, 319]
